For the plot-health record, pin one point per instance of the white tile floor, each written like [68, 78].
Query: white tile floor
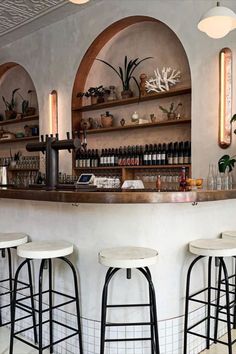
[21, 348]
[220, 348]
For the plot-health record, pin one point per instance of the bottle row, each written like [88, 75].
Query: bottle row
[177, 153]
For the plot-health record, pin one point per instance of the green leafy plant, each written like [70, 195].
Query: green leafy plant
[26, 103]
[226, 161]
[10, 105]
[126, 73]
[16, 156]
[172, 108]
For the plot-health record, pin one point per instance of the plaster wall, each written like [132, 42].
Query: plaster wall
[52, 56]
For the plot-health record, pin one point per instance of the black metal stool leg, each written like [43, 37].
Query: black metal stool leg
[41, 306]
[209, 304]
[32, 301]
[217, 303]
[147, 275]
[13, 306]
[10, 272]
[234, 323]
[77, 302]
[225, 272]
[109, 275]
[50, 304]
[187, 303]
[151, 315]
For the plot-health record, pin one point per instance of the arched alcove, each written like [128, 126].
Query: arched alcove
[13, 76]
[134, 37]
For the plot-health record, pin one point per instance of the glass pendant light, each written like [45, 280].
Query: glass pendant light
[218, 21]
[79, 2]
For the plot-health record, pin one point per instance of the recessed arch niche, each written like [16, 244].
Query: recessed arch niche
[12, 76]
[135, 36]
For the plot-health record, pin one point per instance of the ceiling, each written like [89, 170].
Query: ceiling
[21, 17]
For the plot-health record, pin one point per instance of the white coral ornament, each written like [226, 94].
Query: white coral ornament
[163, 80]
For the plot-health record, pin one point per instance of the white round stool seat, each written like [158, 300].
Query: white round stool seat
[8, 240]
[45, 249]
[231, 235]
[127, 257]
[213, 248]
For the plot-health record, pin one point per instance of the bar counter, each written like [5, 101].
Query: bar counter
[117, 197]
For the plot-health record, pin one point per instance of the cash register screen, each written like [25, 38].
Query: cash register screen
[84, 178]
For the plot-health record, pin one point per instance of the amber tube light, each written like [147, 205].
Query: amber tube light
[53, 112]
[225, 108]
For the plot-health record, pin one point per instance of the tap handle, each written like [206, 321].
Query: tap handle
[57, 136]
[68, 135]
[42, 138]
[51, 135]
[46, 136]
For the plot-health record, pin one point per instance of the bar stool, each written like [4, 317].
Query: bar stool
[217, 249]
[129, 258]
[8, 241]
[46, 251]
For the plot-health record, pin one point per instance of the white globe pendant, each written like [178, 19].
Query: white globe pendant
[217, 22]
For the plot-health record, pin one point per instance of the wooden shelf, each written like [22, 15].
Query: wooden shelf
[132, 100]
[19, 139]
[21, 120]
[132, 167]
[137, 126]
[22, 169]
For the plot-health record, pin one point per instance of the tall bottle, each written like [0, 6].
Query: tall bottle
[159, 155]
[176, 153]
[154, 155]
[145, 156]
[181, 154]
[163, 154]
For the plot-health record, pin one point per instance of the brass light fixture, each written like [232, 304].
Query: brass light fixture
[218, 21]
[225, 106]
[53, 112]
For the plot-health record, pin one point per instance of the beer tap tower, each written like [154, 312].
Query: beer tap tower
[51, 147]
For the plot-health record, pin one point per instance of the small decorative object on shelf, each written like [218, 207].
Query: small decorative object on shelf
[163, 80]
[106, 120]
[171, 112]
[112, 95]
[96, 93]
[10, 105]
[93, 123]
[153, 118]
[85, 123]
[135, 118]
[143, 79]
[126, 74]
[122, 122]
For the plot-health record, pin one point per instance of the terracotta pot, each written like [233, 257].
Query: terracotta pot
[94, 100]
[30, 111]
[126, 94]
[100, 99]
[171, 116]
[10, 114]
[106, 120]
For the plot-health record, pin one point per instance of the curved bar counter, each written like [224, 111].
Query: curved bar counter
[165, 221]
[117, 197]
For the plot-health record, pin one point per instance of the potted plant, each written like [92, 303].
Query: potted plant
[126, 74]
[171, 112]
[26, 107]
[14, 158]
[10, 105]
[226, 161]
[96, 93]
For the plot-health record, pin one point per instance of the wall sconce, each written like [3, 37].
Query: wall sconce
[53, 112]
[218, 21]
[225, 107]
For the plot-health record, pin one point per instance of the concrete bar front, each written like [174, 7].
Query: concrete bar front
[92, 227]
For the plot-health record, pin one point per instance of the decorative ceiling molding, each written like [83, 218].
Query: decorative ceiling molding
[16, 13]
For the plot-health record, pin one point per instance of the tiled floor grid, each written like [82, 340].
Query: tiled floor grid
[170, 333]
